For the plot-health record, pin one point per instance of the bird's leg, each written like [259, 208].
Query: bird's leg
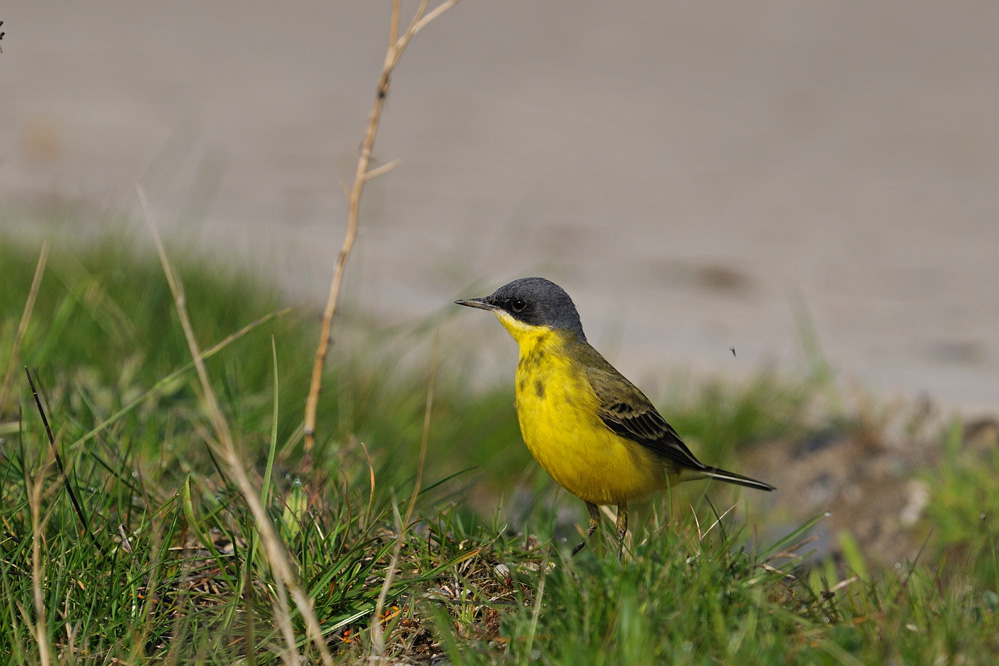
[622, 527]
[594, 524]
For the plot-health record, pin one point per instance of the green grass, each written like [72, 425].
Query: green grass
[171, 567]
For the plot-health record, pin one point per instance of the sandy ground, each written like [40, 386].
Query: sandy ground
[695, 174]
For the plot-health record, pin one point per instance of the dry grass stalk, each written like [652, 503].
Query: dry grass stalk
[40, 629]
[276, 556]
[362, 174]
[22, 327]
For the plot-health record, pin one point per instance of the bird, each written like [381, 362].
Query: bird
[593, 431]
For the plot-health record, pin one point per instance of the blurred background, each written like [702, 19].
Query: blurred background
[698, 176]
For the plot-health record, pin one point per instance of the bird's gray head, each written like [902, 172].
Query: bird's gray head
[533, 301]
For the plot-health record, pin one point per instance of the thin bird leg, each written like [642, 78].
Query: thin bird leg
[622, 527]
[594, 524]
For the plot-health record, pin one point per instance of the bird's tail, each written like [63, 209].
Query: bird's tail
[737, 479]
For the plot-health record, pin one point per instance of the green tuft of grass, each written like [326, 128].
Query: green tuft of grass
[963, 512]
[169, 566]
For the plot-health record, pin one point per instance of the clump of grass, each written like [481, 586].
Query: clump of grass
[963, 512]
[157, 496]
[185, 576]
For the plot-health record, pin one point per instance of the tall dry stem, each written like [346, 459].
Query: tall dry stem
[38, 567]
[362, 174]
[276, 556]
[22, 327]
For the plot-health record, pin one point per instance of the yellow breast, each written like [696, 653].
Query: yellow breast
[560, 423]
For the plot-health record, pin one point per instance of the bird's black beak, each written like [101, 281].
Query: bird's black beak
[480, 303]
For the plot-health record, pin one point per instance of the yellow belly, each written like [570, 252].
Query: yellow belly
[557, 410]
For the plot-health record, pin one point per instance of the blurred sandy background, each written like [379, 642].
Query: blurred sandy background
[692, 173]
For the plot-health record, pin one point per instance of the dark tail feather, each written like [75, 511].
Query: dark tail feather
[737, 479]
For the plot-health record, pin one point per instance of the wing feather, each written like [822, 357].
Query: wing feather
[627, 412]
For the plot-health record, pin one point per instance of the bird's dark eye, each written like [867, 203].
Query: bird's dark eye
[518, 305]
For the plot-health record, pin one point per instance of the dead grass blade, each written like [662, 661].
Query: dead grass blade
[22, 327]
[38, 570]
[276, 556]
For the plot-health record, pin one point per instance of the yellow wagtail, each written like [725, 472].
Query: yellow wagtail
[589, 427]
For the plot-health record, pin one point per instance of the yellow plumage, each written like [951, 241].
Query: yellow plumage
[558, 413]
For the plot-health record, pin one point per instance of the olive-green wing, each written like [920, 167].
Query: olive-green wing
[627, 412]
